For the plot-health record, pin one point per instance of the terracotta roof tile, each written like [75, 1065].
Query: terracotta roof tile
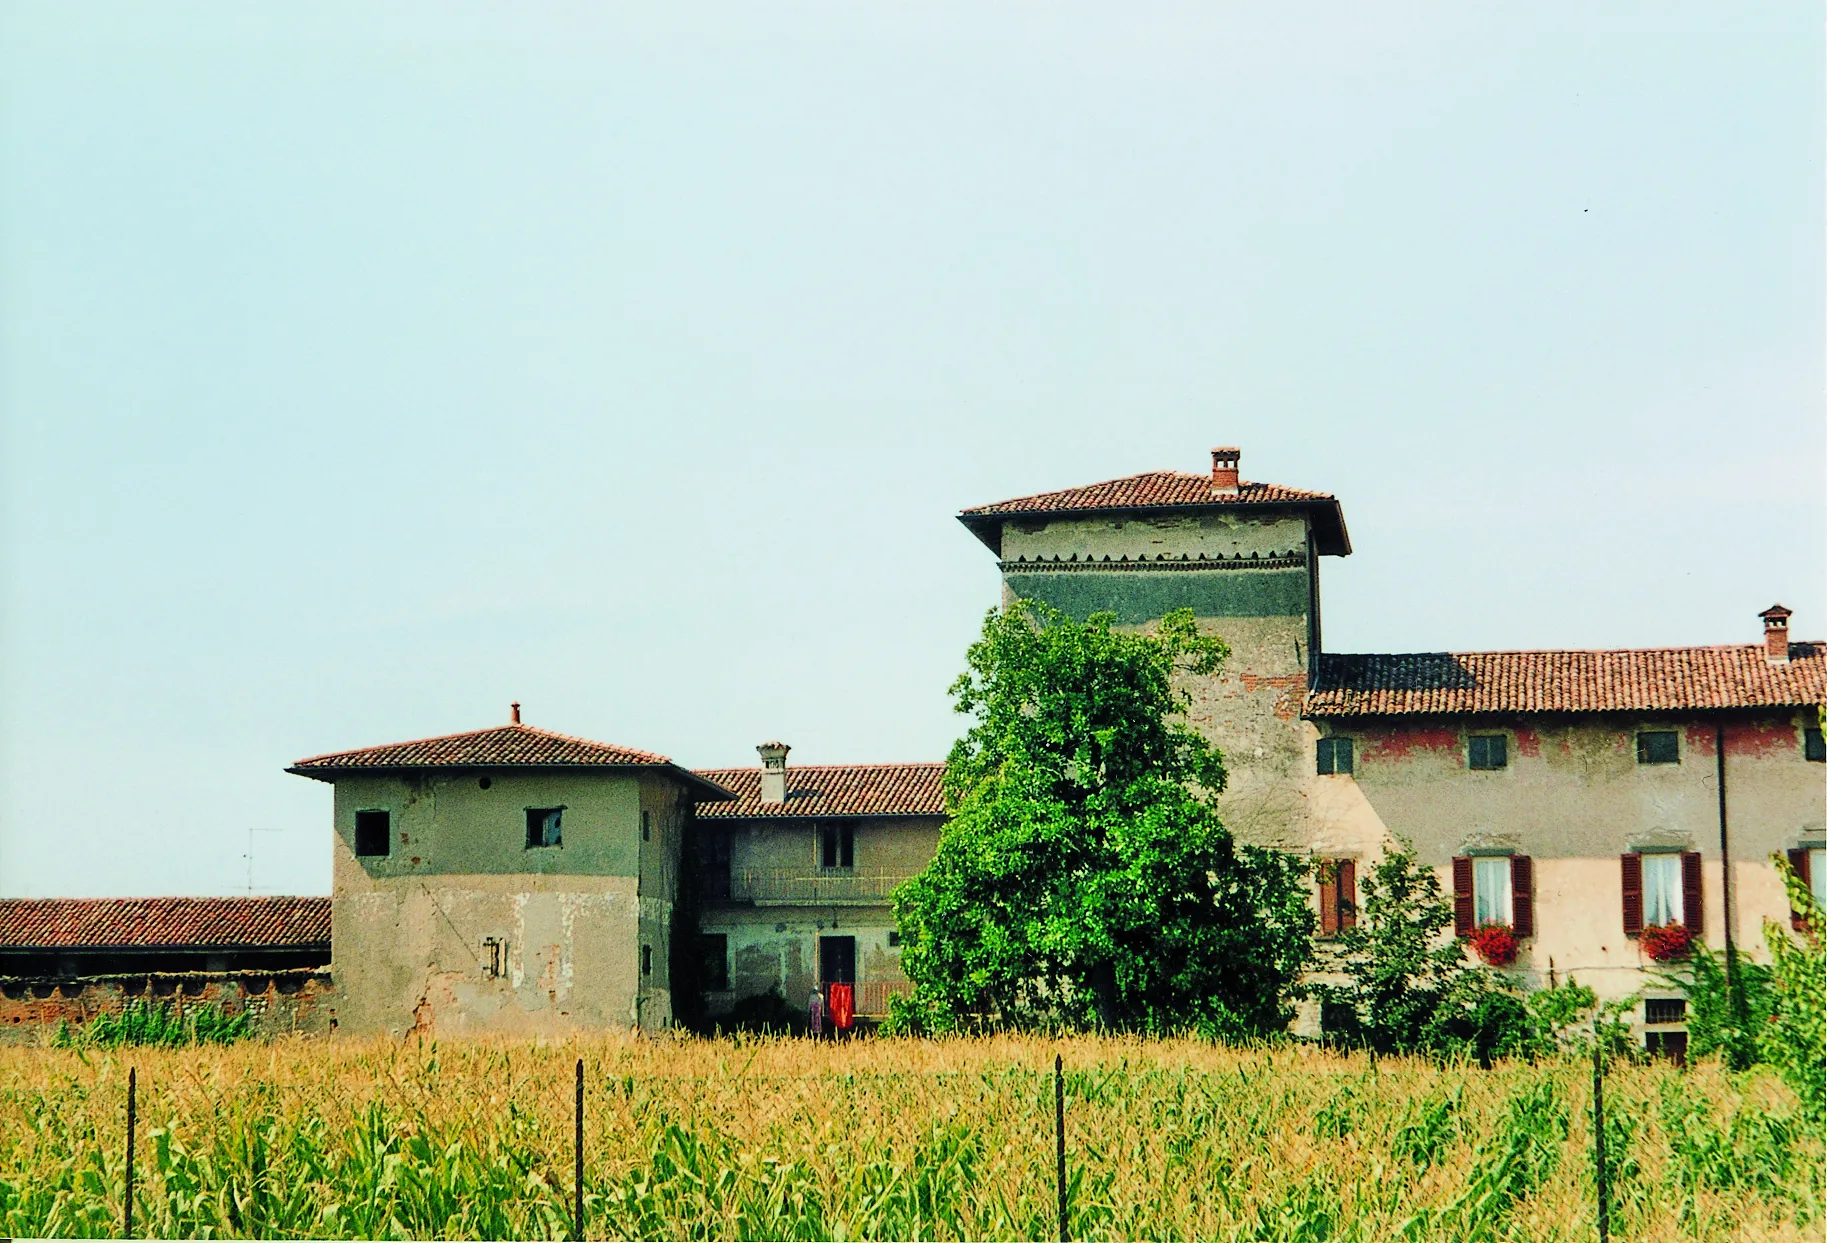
[1641, 680]
[833, 790]
[106, 923]
[504, 746]
[1161, 489]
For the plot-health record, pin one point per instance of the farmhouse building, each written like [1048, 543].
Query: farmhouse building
[797, 875]
[1577, 797]
[505, 880]
[1600, 805]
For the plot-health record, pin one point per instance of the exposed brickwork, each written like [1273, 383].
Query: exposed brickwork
[279, 1003]
[833, 790]
[146, 923]
[1647, 680]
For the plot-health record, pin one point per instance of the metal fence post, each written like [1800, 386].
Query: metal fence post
[1059, 1137]
[1598, 1131]
[578, 1212]
[127, 1209]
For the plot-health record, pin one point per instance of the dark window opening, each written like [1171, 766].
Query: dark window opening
[373, 830]
[837, 960]
[1334, 756]
[484, 783]
[1664, 1010]
[894, 940]
[1658, 746]
[646, 826]
[837, 846]
[494, 958]
[1814, 747]
[647, 960]
[715, 844]
[1488, 751]
[1337, 1016]
[545, 826]
[714, 961]
[1671, 1045]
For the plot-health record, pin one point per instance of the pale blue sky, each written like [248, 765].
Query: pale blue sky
[360, 372]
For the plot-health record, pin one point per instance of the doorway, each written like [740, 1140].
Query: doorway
[837, 960]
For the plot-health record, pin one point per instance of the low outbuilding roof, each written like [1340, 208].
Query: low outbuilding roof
[1664, 679]
[504, 746]
[832, 790]
[164, 923]
[1164, 490]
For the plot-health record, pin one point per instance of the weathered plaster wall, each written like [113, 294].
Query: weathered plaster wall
[1574, 798]
[1213, 535]
[409, 929]
[893, 845]
[777, 947]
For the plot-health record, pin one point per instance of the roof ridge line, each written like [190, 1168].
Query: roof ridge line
[1573, 651]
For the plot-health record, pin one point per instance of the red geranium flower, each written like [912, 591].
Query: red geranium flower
[1495, 943]
[1667, 942]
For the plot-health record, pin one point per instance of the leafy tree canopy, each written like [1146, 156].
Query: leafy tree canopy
[1085, 878]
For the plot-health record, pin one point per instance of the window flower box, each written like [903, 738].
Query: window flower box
[1666, 942]
[1495, 943]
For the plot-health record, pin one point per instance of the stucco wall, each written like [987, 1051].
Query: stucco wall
[410, 930]
[1573, 797]
[895, 845]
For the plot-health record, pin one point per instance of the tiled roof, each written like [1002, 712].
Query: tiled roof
[108, 923]
[833, 790]
[504, 746]
[1161, 489]
[1642, 680]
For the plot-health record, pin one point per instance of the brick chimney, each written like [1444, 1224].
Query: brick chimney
[1776, 634]
[1224, 471]
[514, 712]
[773, 771]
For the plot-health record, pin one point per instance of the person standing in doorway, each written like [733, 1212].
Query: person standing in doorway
[815, 1014]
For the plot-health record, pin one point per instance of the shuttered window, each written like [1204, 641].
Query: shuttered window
[1487, 751]
[1810, 867]
[1662, 888]
[1462, 897]
[1522, 895]
[1338, 895]
[1334, 756]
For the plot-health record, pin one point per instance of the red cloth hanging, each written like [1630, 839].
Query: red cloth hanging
[843, 1006]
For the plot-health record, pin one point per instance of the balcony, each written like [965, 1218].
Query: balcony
[799, 887]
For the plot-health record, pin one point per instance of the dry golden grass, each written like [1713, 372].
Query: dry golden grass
[892, 1138]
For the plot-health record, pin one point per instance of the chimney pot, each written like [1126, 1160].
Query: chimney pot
[773, 771]
[514, 711]
[1224, 470]
[1776, 634]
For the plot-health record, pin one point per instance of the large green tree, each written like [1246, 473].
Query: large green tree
[1084, 878]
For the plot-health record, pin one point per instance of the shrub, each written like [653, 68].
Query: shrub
[1794, 1037]
[765, 1012]
[160, 1026]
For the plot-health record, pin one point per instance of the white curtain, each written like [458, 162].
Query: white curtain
[1491, 891]
[1662, 889]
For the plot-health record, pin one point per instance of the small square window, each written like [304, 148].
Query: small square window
[1664, 1010]
[545, 826]
[1814, 747]
[647, 960]
[372, 833]
[894, 940]
[1487, 751]
[1334, 756]
[1658, 746]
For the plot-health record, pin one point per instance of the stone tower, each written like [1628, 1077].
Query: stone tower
[1244, 557]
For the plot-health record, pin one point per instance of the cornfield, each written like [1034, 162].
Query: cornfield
[907, 1139]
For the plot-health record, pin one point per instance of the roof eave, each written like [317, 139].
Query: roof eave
[1331, 539]
[709, 791]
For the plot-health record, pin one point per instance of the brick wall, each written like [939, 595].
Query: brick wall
[280, 1002]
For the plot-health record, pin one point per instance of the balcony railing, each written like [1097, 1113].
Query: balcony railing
[872, 996]
[797, 886]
